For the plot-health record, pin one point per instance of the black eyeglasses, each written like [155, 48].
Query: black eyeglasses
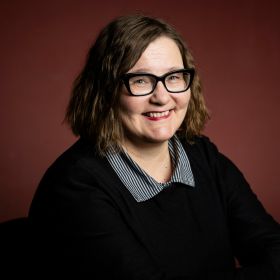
[140, 84]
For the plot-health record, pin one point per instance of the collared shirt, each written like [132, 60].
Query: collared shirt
[141, 185]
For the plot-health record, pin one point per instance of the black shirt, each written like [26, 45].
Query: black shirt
[94, 227]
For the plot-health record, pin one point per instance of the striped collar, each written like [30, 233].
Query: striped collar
[139, 183]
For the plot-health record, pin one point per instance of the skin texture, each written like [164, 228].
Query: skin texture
[147, 131]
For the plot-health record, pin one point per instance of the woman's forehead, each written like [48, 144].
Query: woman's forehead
[161, 55]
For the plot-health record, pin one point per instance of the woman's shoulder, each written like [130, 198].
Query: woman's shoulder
[80, 158]
[201, 146]
[205, 153]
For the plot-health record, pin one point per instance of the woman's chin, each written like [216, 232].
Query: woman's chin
[159, 138]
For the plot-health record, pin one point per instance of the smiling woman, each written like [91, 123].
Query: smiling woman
[142, 194]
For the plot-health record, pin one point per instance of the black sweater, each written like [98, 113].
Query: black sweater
[91, 225]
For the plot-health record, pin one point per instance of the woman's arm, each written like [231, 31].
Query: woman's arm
[254, 233]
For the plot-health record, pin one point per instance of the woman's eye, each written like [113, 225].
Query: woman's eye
[174, 77]
[140, 81]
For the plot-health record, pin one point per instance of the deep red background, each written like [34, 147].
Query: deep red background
[43, 46]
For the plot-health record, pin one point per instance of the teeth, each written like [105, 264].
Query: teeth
[158, 114]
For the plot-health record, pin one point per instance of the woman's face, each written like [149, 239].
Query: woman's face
[156, 117]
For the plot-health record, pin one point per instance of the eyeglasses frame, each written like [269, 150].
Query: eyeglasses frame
[125, 78]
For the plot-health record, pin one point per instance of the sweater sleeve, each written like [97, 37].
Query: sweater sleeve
[255, 235]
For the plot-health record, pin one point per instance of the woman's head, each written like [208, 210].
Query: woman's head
[93, 111]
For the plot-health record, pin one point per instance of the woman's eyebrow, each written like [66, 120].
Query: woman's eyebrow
[147, 70]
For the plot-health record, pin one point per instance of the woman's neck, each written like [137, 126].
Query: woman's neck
[153, 158]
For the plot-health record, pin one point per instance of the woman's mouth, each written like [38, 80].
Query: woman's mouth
[157, 115]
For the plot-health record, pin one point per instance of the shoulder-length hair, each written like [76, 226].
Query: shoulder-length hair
[93, 110]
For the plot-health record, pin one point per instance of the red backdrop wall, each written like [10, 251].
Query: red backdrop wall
[43, 46]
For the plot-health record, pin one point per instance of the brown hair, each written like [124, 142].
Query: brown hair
[93, 107]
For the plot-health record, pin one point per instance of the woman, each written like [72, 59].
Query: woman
[141, 194]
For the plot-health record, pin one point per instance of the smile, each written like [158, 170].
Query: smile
[158, 115]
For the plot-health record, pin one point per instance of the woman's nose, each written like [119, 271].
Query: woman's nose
[160, 95]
